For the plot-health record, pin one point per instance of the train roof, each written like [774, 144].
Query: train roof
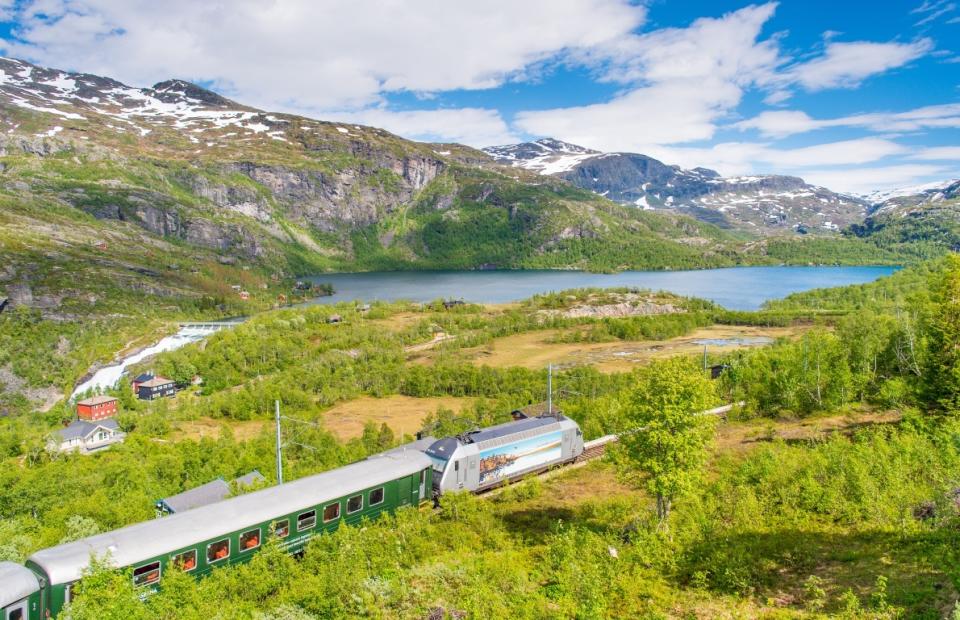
[510, 428]
[16, 583]
[142, 541]
[499, 434]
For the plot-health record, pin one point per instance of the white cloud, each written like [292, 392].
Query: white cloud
[782, 123]
[660, 114]
[475, 126]
[938, 153]
[685, 79]
[866, 180]
[847, 64]
[314, 55]
[933, 11]
[731, 158]
[726, 47]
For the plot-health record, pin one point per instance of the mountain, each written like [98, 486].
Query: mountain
[178, 170]
[925, 216]
[176, 178]
[760, 203]
[913, 196]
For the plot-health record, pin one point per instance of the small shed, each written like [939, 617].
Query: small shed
[333, 319]
[209, 493]
[97, 408]
[158, 387]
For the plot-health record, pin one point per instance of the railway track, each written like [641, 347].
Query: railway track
[592, 449]
[596, 447]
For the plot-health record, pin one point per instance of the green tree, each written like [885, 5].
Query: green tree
[666, 437]
[942, 376]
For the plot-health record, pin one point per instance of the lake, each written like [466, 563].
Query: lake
[736, 288]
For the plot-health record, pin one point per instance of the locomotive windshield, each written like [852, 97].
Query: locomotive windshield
[440, 452]
[438, 464]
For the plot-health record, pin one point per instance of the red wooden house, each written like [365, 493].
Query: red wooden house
[97, 408]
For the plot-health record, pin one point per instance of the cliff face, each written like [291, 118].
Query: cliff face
[185, 163]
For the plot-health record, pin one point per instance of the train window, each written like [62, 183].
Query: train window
[281, 528]
[186, 561]
[354, 504]
[146, 575]
[218, 551]
[376, 496]
[15, 614]
[250, 540]
[331, 512]
[306, 520]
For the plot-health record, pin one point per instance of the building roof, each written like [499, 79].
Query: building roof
[82, 428]
[208, 493]
[97, 400]
[149, 539]
[143, 377]
[156, 382]
[16, 582]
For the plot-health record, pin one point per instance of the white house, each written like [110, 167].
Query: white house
[86, 437]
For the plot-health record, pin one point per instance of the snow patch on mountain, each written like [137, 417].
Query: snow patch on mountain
[546, 156]
[881, 196]
[768, 201]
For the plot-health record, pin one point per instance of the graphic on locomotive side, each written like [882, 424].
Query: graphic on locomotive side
[505, 461]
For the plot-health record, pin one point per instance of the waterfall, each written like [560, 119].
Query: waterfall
[108, 376]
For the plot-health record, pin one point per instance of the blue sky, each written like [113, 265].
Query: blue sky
[852, 95]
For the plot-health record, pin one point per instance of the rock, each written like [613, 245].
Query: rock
[20, 294]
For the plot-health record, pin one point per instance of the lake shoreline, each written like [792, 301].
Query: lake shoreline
[735, 288]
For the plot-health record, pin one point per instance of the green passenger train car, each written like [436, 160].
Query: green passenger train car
[221, 534]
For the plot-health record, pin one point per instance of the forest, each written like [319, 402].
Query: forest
[831, 492]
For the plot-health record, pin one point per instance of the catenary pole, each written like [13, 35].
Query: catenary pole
[279, 445]
[549, 389]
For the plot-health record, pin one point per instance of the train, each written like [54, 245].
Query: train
[231, 531]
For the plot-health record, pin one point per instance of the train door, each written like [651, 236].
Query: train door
[423, 484]
[403, 491]
[17, 611]
[461, 472]
[566, 450]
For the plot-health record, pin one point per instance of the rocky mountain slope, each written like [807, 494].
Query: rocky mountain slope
[208, 178]
[761, 203]
[88, 163]
[926, 217]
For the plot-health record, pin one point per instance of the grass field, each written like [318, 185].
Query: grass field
[534, 349]
[403, 414]
[212, 428]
